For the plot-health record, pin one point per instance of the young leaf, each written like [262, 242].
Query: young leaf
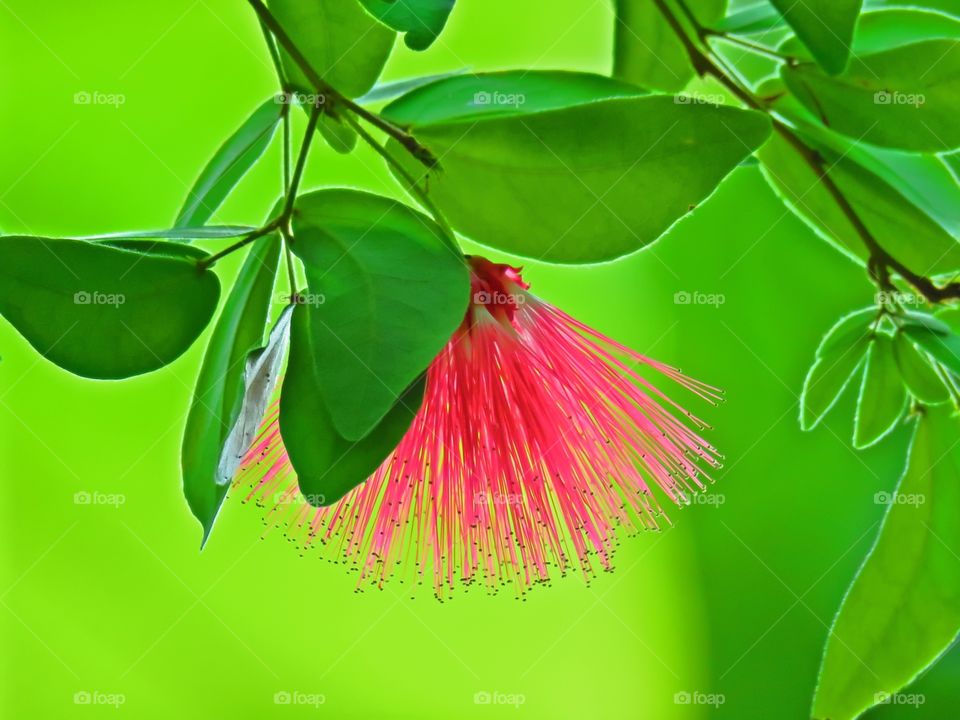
[944, 347]
[103, 312]
[917, 372]
[758, 18]
[230, 163]
[586, 183]
[848, 330]
[390, 90]
[906, 98]
[646, 51]
[509, 92]
[218, 397]
[827, 379]
[900, 227]
[421, 20]
[825, 27]
[159, 247]
[260, 375]
[206, 232]
[386, 294]
[340, 136]
[343, 44]
[882, 395]
[892, 27]
[903, 608]
[327, 464]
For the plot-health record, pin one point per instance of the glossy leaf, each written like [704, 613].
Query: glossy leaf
[903, 609]
[889, 28]
[395, 88]
[827, 379]
[421, 20]
[825, 27]
[219, 393]
[327, 464]
[918, 373]
[882, 396]
[505, 93]
[855, 326]
[647, 52]
[341, 41]
[586, 183]
[907, 97]
[386, 294]
[757, 18]
[100, 311]
[945, 347]
[158, 247]
[230, 163]
[340, 136]
[899, 226]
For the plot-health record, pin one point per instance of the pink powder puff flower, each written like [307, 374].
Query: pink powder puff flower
[537, 437]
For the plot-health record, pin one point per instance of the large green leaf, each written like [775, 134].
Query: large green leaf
[586, 183]
[903, 609]
[944, 346]
[206, 232]
[345, 45]
[899, 226]
[387, 294]
[646, 51]
[838, 357]
[327, 464]
[421, 20]
[509, 92]
[907, 97]
[917, 372]
[218, 396]
[100, 311]
[230, 163]
[825, 27]
[882, 395]
[758, 18]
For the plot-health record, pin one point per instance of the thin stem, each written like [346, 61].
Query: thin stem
[274, 56]
[255, 235]
[287, 147]
[421, 153]
[751, 46]
[880, 261]
[449, 237]
[294, 184]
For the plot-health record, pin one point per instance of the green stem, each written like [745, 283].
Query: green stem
[301, 164]
[322, 87]
[255, 235]
[753, 47]
[449, 236]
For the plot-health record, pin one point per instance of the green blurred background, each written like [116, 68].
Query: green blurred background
[108, 602]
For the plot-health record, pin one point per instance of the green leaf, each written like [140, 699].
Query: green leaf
[327, 464]
[934, 323]
[848, 330]
[218, 397]
[586, 183]
[158, 247]
[343, 44]
[505, 93]
[889, 28]
[903, 609]
[340, 136]
[900, 227]
[707, 12]
[907, 97]
[421, 20]
[230, 163]
[387, 293]
[646, 51]
[758, 18]
[827, 379]
[945, 348]
[390, 90]
[103, 312]
[825, 27]
[206, 232]
[917, 372]
[882, 396]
